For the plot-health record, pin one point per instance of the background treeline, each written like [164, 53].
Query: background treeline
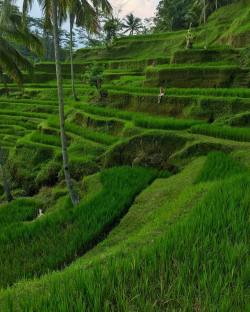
[179, 14]
[170, 15]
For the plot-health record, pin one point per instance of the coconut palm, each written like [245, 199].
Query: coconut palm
[12, 62]
[84, 13]
[132, 24]
[53, 11]
[206, 7]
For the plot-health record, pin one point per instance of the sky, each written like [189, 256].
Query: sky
[141, 8]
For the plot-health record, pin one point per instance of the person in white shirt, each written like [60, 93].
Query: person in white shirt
[40, 213]
[161, 95]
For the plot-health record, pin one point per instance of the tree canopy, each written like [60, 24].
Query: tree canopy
[12, 31]
[178, 14]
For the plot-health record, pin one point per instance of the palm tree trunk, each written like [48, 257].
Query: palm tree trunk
[6, 186]
[71, 22]
[205, 11]
[73, 195]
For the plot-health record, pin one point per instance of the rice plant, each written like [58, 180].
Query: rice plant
[230, 133]
[54, 240]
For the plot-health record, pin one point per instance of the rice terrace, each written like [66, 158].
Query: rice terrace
[124, 155]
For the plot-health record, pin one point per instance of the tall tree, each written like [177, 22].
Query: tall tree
[179, 14]
[132, 24]
[54, 18]
[111, 29]
[84, 13]
[53, 11]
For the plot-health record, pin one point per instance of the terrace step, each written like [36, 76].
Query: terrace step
[28, 107]
[28, 101]
[198, 77]
[66, 68]
[137, 64]
[116, 75]
[24, 142]
[27, 123]
[192, 56]
[190, 106]
[23, 114]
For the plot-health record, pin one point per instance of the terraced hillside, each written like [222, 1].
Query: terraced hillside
[163, 221]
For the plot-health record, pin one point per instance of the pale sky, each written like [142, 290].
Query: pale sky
[141, 8]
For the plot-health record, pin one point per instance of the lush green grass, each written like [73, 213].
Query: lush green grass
[108, 112]
[184, 242]
[237, 134]
[215, 92]
[188, 268]
[165, 123]
[29, 249]
[18, 211]
[39, 137]
[82, 147]
[219, 166]
[27, 123]
[71, 128]
[9, 112]
[144, 120]
[200, 262]
[193, 67]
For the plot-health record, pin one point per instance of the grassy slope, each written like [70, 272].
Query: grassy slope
[182, 245]
[188, 260]
[33, 248]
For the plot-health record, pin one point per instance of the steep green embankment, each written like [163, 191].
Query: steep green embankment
[163, 224]
[168, 253]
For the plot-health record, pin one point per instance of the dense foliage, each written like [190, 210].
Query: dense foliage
[178, 14]
[12, 34]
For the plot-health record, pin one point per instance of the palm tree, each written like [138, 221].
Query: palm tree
[6, 187]
[132, 24]
[84, 13]
[12, 62]
[111, 29]
[204, 11]
[206, 7]
[54, 10]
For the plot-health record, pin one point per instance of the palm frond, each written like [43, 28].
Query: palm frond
[15, 56]
[86, 16]
[24, 37]
[104, 5]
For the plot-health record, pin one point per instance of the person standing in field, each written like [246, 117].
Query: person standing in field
[161, 95]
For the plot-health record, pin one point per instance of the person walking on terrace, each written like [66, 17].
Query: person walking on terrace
[161, 95]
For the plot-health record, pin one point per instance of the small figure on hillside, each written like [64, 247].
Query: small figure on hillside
[40, 213]
[153, 63]
[189, 39]
[161, 95]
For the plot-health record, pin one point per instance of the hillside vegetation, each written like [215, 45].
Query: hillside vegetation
[163, 221]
